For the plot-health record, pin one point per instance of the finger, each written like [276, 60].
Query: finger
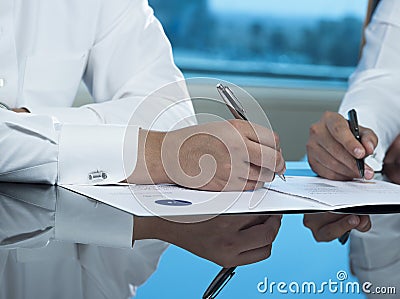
[328, 173]
[252, 185]
[250, 221]
[334, 230]
[262, 135]
[368, 172]
[335, 156]
[323, 148]
[365, 223]
[326, 165]
[265, 156]
[258, 236]
[317, 221]
[338, 127]
[257, 173]
[253, 256]
[369, 140]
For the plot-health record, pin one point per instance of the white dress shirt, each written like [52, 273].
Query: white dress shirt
[47, 47]
[120, 51]
[374, 92]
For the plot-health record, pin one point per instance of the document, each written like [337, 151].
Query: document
[298, 194]
[339, 194]
[171, 200]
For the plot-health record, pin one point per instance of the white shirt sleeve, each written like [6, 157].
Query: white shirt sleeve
[130, 59]
[41, 150]
[374, 89]
[88, 226]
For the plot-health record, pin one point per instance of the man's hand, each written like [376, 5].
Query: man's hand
[219, 156]
[20, 110]
[226, 240]
[332, 148]
[328, 226]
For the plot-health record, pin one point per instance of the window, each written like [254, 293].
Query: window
[311, 39]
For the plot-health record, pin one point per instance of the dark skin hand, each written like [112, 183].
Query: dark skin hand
[329, 226]
[332, 148]
[20, 110]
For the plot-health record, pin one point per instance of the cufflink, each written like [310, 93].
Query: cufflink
[97, 175]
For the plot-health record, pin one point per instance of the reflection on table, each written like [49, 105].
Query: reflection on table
[58, 244]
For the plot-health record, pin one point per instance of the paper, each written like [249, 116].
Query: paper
[169, 200]
[340, 194]
[297, 194]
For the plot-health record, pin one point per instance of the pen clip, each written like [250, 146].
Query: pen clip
[231, 101]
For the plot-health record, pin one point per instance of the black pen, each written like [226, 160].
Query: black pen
[353, 124]
[219, 282]
[343, 238]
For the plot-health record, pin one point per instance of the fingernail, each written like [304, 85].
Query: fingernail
[371, 146]
[353, 220]
[369, 174]
[358, 152]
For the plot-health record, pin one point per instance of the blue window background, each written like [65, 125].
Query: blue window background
[279, 38]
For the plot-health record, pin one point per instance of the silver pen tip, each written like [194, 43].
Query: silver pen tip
[282, 177]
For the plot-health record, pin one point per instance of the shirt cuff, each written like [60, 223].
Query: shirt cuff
[74, 115]
[96, 154]
[89, 222]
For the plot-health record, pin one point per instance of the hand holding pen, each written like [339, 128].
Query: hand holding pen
[238, 112]
[336, 150]
[355, 130]
[332, 148]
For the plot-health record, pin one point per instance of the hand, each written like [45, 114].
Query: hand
[227, 155]
[225, 240]
[329, 226]
[332, 148]
[20, 110]
[393, 153]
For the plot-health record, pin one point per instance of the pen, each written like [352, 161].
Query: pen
[236, 108]
[343, 238]
[219, 282]
[238, 112]
[353, 124]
